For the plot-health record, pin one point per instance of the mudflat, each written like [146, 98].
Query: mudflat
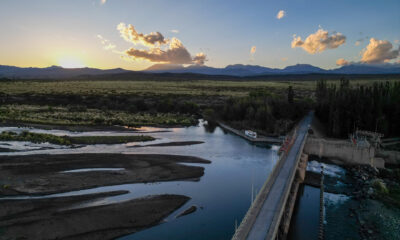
[43, 174]
[51, 219]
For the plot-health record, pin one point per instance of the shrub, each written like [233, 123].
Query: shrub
[380, 186]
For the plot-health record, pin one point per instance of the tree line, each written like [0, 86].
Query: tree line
[264, 112]
[344, 108]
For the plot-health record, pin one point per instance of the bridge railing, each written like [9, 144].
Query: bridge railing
[248, 220]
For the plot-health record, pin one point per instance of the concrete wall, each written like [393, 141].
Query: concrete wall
[391, 157]
[342, 150]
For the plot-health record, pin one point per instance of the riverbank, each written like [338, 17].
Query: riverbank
[70, 140]
[32, 219]
[45, 174]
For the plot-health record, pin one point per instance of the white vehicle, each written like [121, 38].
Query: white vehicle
[250, 133]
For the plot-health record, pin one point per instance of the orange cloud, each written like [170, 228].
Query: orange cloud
[160, 50]
[253, 50]
[281, 14]
[200, 58]
[342, 62]
[379, 51]
[130, 34]
[319, 41]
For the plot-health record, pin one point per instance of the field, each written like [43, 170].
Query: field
[139, 102]
[190, 87]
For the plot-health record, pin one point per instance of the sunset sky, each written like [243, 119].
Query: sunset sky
[134, 34]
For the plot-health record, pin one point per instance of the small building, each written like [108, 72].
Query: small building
[250, 133]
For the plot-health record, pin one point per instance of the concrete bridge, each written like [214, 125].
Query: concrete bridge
[263, 218]
[271, 211]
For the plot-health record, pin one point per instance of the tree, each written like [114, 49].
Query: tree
[290, 95]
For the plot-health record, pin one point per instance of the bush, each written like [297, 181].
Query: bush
[380, 186]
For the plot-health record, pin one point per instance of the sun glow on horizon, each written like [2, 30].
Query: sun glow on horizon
[70, 62]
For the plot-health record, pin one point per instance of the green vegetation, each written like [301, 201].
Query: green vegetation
[67, 140]
[185, 87]
[265, 113]
[380, 186]
[64, 116]
[33, 137]
[141, 102]
[346, 108]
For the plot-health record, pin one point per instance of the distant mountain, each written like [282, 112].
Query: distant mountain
[368, 69]
[254, 70]
[303, 69]
[236, 70]
[54, 72]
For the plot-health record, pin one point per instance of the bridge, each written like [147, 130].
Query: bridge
[263, 218]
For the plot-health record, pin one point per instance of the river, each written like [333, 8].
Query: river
[222, 195]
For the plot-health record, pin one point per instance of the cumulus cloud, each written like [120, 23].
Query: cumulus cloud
[200, 58]
[319, 41]
[107, 45]
[280, 14]
[175, 31]
[379, 51]
[129, 33]
[160, 49]
[342, 62]
[103, 2]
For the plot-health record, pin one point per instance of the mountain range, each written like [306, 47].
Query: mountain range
[254, 70]
[237, 70]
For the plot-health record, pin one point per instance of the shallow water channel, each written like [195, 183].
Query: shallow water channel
[222, 195]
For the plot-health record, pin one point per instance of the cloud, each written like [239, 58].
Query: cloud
[342, 62]
[102, 2]
[160, 49]
[284, 59]
[175, 31]
[107, 45]
[130, 34]
[253, 50]
[397, 41]
[200, 58]
[358, 42]
[319, 41]
[379, 51]
[281, 14]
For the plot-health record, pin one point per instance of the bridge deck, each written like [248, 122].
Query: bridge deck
[268, 218]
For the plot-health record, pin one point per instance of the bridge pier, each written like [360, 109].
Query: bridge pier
[291, 202]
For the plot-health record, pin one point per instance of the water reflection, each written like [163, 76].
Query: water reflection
[223, 194]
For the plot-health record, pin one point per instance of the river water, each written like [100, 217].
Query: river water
[222, 195]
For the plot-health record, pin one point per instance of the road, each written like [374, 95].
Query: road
[268, 218]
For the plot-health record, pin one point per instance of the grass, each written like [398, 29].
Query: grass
[62, 116]
[189, 87]
[67, 140]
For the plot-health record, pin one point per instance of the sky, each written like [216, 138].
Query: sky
[135, 34]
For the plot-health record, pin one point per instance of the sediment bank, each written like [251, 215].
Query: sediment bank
[48, 219]
[42, 174]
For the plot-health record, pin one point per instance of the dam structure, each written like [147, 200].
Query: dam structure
[263, 218]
